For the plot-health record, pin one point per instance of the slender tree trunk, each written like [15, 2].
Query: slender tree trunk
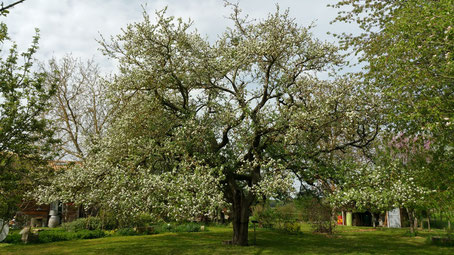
[386, 219]
[222, 217]
[240, 220]
[411, 220]
[333, 220]
[373, 220]
[428, 220]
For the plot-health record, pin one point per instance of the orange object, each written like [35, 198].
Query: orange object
[339, 220]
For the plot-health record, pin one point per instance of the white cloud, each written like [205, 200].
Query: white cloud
[72, 26]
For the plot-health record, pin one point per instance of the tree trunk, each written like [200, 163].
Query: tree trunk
[428, 220]
[386, 223]
[373, 220]
[411, 220]
[333, 220]
[222, 217]
[240, 221]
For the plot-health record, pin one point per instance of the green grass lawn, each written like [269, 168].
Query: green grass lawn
[348, 240]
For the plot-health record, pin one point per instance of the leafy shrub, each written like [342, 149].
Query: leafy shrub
[265, 215]
[143, 220]
[50, 236]
[89, 223]
[292, 227]
[163, 228]
[283, 217]
[14, 238]
[55, 236]
[126, 232]
[320, 217]
[75, 230]
[109, 220]
[188, 227]
[288, 213]
[440, 224]
[90, 234]
[289, 227]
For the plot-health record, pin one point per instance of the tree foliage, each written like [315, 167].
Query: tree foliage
[205, 124]
[407, 49]
[24, 134]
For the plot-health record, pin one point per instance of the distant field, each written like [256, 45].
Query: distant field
[348, 240]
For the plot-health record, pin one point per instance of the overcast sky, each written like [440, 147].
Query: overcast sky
[72, 26]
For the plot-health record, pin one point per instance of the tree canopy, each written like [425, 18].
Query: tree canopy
[407, 50]
[25, 136]
[209, 124]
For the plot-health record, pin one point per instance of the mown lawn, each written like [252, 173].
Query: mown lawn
[348, 240]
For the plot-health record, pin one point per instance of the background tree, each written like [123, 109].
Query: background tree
[25, 136]
[80, 109]
[410, 62]
[225, 120]
[406, 48]
[378, 188]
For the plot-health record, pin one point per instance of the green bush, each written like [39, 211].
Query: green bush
[188, 227]
[14, 238]
[143, 220]
[50, 236]
[90, 234]
[288, 213]
[55, 236]
[289, 227]
[78, 230]
[437, 224]
[320, 216]
[109, 220]
[126, 232]
[283, 217]
[265, 215]
[146, 230]
[89, 223]
[163, 228]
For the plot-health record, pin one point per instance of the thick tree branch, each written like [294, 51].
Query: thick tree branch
[3, 8]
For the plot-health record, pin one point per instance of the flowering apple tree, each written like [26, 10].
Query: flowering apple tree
[204, 125]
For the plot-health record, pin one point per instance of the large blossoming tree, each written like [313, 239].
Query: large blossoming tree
[204, 125]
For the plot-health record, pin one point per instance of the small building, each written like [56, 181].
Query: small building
[395, 218]
[38, 215]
